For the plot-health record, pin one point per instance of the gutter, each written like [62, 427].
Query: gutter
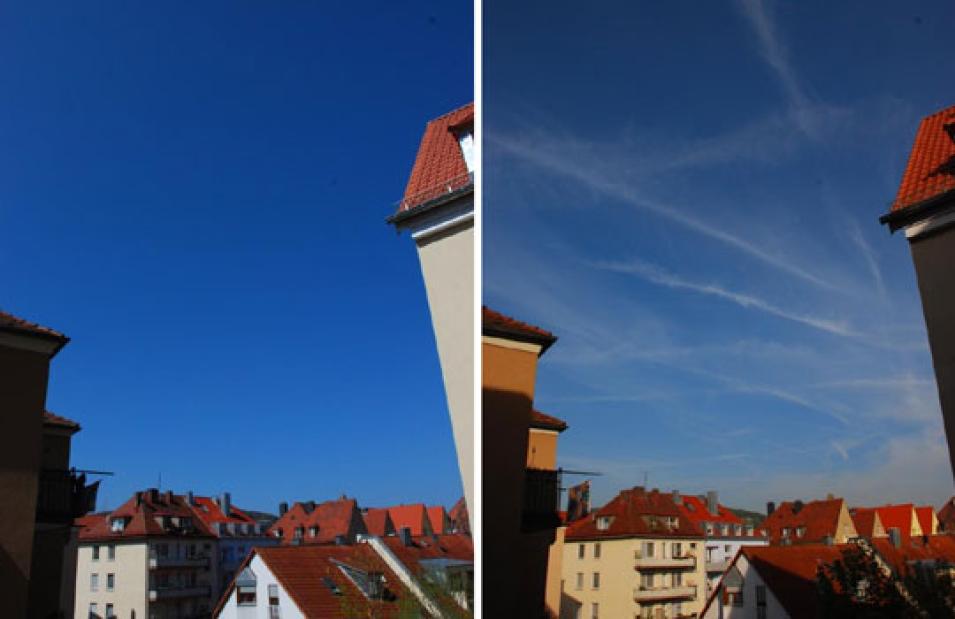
[920, 210]
[401, 217]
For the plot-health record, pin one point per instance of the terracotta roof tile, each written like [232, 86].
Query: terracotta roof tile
[927, 519]
[440, 522]
[790, 572]
[52, 419]
[547, 422]
[635, 513]
[929, 547]
[439, 167]
[210, 512]
[378, 522]
[820, 519]
[497, 324]
[931, 168]
[865, 520]
[143, 514]
[9, 322]
[459, 517]
[414, 517]
[694, 508]
[901, 517]
[301, 570]
[946, 516]
[333, 519]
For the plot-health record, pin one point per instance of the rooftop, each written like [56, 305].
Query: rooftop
[819, 519]
[19, 326]
[635, 513]
[547, 422]
[496, 324]
[930, 172]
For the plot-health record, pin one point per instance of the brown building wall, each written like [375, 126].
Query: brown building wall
[514, 576]
[934, 258]
[542, 449]
[23, 381]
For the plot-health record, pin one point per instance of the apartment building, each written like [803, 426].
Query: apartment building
[725, 532]
[332, 522]
[438, 211]
[520, 510]
[236, 533]
[150, 558]
[637, 556]
[796, 522]
[924, 207]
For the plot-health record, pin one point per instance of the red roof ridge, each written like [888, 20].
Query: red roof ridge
[13, 323]
[547, 422]
[495, 323]
[53, 419]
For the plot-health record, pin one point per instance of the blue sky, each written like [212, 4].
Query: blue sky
[688, 195]
[196, 195]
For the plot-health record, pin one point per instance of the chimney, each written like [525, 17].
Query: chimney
[340, 540]
[712, 504]
[827, 540]
[139, 498]
[169, 496]
[895, 537]
[226, 503]
[676, 497]
[770, 508]
[829, 497]
[797, 506]
[405, 535]
[283, 507]
[153, 495]
[190, 498]
[309, 507]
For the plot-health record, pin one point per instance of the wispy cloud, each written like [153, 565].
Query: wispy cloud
[775, 54]
[598, 182]
[855, 234]
[658, 276]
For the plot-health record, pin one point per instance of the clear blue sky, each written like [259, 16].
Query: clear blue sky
[195, 193]
[688, 194]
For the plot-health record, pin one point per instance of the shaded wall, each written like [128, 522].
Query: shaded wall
[23, 381]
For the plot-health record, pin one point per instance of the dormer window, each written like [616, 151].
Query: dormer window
[299, 533]
[800, 531]
[466, 142]
[277, 533]
[313, 531]
[785, 531]
[117, 525]
[604, 522]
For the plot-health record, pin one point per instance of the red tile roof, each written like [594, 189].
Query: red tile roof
[459, 517]
[456, 546]
[497, 324]
[946, 516]
[378, 522]
[694, 508]
[301, 571]
[333, 519]
[820, 519]
[52, 419]
[899, 517]
[414, 517]
[547, 422]
[931, 168]
[790, 572]
[439, 168]
[930, 547]
[143, 515]
[864, 519]
[10, 323]
[926, 516]
[209, 510]
[635, 513]
[440, 522]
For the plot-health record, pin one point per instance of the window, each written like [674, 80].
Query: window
[646, 581]
[95, 553]
[597, 550]
[466, 141]
[94, 610]
[677, 609]
[604, 522]
[245, 596]
[109, 611]
[677, 550]
[110, 581]
[594, 610]
[111, 552]
[728, 549]
[580, 551]
[800, 531]
[274, 602]
[116, 525]
[648, 549]
[596, 583]
[313, 531]
[580, 580]
[677, 579]
[785, 531]
[94, 582]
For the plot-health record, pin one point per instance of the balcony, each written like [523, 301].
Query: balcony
[687, 561]
[717, 566]
[541, 500]
[196, 561]
[63, 496]
[657, 594]
[170, 592]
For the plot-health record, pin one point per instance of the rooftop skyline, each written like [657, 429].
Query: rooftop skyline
[691, 206]
[196, 195]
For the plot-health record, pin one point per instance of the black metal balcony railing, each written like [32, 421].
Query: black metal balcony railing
[541, 499]
[63, 496]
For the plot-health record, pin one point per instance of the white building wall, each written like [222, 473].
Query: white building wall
[264, 578]
[721, 551]
[748, 610]
[130, 567]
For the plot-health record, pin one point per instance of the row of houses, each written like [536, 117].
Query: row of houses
[164, 555]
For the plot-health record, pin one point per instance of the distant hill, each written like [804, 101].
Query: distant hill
[750, 517]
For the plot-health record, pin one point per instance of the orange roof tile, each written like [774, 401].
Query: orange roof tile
[52, 419]
[459, 517]
[930, 172]
[635, 513]
[10, 323]
[143, 514]
[439, 167]
[926, 514]
[898, 517]
[547, 422]
[440, 522]
[695, 509]
[790, 572]
[497, 324]
[209, 510]
[333, 519]
[929, 547]
[414, 517]
[378, 522]
[864, 519]
[946, 516]
[820, 519]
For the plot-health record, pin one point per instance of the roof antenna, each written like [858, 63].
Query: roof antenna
[159, 487]
[645, 480]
